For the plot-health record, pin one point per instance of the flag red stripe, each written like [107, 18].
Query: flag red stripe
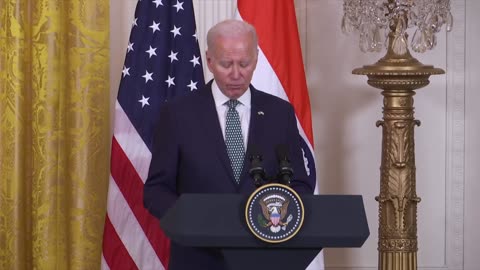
[276, 26]
[114, 252]
[131, 186]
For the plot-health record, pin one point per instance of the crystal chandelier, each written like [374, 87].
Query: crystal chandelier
[375, 19]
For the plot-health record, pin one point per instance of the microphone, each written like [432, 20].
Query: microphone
[285, 171]
[256, 170]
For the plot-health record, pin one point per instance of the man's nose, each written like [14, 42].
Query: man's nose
[235, 72]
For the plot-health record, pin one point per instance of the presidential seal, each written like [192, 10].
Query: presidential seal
[274, 213]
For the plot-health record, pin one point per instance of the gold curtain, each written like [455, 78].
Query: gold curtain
[54, 133]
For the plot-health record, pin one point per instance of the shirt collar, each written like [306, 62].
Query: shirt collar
[220, 98]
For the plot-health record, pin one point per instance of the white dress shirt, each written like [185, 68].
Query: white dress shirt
[243, 109]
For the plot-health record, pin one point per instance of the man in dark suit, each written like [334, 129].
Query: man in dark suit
[193, 147]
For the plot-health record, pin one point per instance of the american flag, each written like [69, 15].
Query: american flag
[162, 61]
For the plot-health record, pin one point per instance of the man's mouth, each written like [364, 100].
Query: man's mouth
[235, 87]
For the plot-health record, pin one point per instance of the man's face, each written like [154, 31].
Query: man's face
[232, 61]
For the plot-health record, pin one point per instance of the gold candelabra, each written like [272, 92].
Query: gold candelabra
[398, 76]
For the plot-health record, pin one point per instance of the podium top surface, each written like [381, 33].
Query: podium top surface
[218, 220]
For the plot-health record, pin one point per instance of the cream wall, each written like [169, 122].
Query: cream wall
[472, 132]
[347, 143]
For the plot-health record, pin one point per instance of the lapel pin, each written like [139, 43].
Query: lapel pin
[260, 113]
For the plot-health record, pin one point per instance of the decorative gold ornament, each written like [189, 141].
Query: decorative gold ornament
[398, 74]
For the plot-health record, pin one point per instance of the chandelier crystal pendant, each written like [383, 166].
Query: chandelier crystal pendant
[373, 18]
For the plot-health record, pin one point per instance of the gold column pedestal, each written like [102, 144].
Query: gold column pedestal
[398, 76]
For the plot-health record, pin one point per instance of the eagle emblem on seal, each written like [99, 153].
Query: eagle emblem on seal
[274, 211]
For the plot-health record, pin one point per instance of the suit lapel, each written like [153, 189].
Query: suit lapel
[209, 118]
[255, 131]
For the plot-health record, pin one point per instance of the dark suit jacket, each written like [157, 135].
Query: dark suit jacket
[190, 156]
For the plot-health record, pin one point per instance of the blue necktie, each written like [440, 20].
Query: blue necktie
[234, 139]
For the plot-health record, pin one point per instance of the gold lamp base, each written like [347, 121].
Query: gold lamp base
[398, 76]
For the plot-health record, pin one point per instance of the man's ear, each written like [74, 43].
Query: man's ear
[209, 59]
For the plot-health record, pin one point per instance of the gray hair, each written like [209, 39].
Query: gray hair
[230, 28]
